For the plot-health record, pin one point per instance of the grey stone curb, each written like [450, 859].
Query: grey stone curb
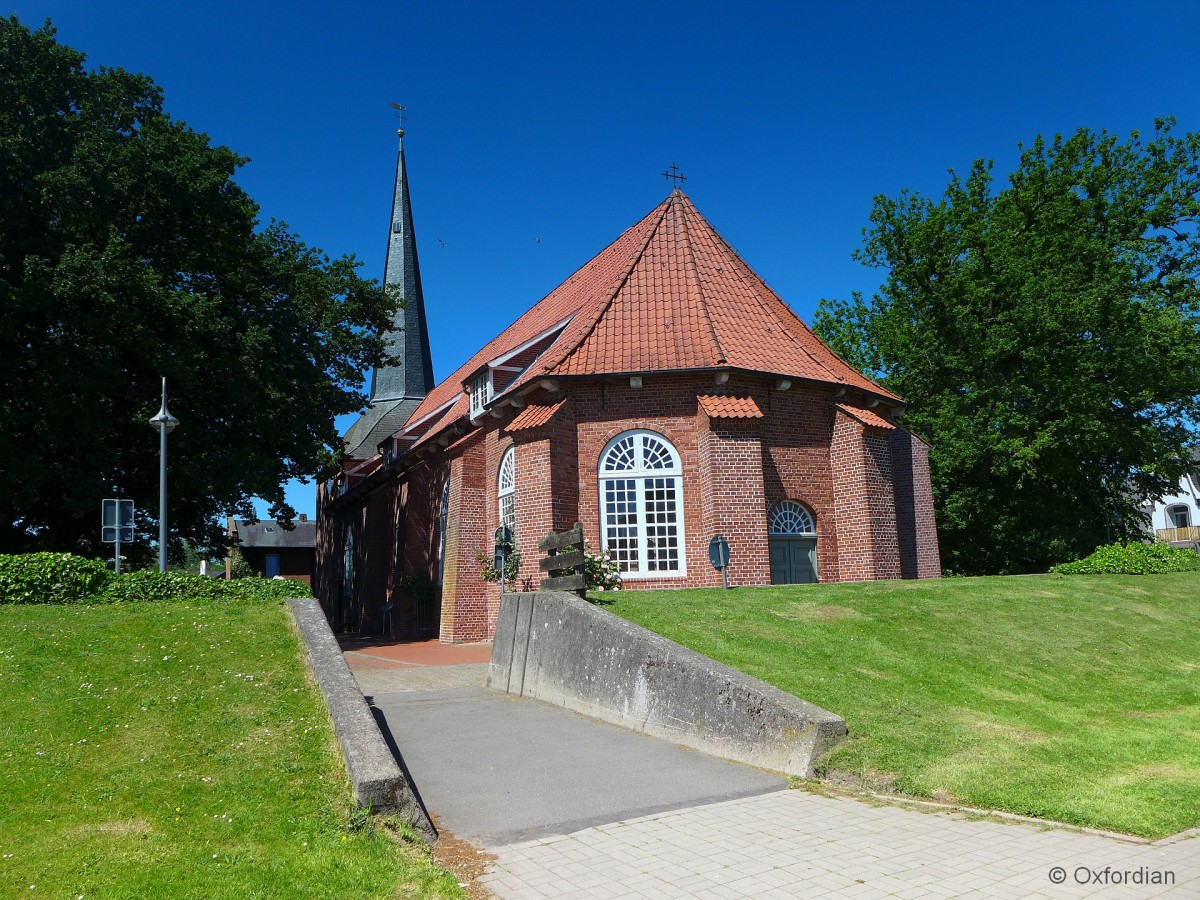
[378, 781]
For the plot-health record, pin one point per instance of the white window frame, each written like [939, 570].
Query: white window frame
[506, 489]
[481, 392]
[1174, 508]
[797, 509]
[640, 474]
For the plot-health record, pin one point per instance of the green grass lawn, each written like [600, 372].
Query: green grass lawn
[1074, 698]
[179, 750]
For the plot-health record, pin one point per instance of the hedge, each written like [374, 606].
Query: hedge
[165, 586]
[51, 578]
[1133, 559]
[63, 578]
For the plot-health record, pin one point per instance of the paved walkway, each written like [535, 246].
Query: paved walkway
[384, 653]
[496, 769]
[778, 844]
[793, 844]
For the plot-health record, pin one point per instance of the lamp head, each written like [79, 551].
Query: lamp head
[164, 419]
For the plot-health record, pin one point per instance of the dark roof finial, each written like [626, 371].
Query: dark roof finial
[674, 176]
[400, 110]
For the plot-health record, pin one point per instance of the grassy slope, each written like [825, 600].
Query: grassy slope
[1072, 698]
[168, 750]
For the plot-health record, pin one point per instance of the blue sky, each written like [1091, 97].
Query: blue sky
[553, 121]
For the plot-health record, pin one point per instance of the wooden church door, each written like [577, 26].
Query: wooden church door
[793, 545]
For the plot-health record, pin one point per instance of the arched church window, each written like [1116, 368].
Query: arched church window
[641, 505]
[506, 491]
[792, 518]
[348, 563]
[443, 522]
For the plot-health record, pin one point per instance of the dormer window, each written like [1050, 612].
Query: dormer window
[480, 393]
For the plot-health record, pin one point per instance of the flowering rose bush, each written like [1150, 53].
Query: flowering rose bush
[601, 571]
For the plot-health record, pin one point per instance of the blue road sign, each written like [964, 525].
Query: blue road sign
[718, 552]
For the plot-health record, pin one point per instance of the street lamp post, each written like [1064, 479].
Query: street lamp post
[165, 423]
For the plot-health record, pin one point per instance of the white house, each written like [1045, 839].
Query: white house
[1175, 517]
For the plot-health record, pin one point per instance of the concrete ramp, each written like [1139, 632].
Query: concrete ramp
[562, 650]
[496, 769]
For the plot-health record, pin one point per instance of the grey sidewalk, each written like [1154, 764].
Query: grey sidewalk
[497, 769]
[578, 809]
[796, 844]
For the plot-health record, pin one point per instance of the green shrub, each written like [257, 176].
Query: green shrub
[51, 578]
[1133, 559]
[240, 568]
[152, 586]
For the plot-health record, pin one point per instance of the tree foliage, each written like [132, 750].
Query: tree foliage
[1045, 335]
[128, 252]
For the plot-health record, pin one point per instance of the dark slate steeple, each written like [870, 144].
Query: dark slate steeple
[398, 388]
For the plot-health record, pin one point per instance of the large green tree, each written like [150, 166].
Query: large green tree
[1045, 335]
[128, 252]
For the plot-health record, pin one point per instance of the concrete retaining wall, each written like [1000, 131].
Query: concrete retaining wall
[560, 649]
[374, 773]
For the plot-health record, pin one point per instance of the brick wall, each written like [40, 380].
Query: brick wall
[732, 502]
[864, 504]
[867, 489]
[535, 502]
[797, 436]
[881, 498]
[464, 592]
[666, 405]
[916, 529]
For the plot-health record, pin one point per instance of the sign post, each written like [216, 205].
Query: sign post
[116, 526]
[718, 555]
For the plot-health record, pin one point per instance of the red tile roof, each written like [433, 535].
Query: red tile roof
[667, 294]
[535, 415]
[723, 407]
[866, 416]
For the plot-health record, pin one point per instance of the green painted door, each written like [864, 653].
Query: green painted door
[793, 560]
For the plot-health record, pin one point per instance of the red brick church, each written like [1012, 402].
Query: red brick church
[661, 395]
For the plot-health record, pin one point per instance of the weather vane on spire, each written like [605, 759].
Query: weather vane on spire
[400, 110]
[673, 174]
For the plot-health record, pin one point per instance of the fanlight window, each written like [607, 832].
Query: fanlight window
[792, 518]
[506, 488]
[641, 503]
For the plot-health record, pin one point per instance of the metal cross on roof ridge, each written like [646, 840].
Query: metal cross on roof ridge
[673, 174]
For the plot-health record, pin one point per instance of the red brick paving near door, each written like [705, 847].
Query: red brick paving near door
[376, 653]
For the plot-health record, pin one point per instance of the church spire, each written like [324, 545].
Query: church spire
[411, 376]
[398, 387]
